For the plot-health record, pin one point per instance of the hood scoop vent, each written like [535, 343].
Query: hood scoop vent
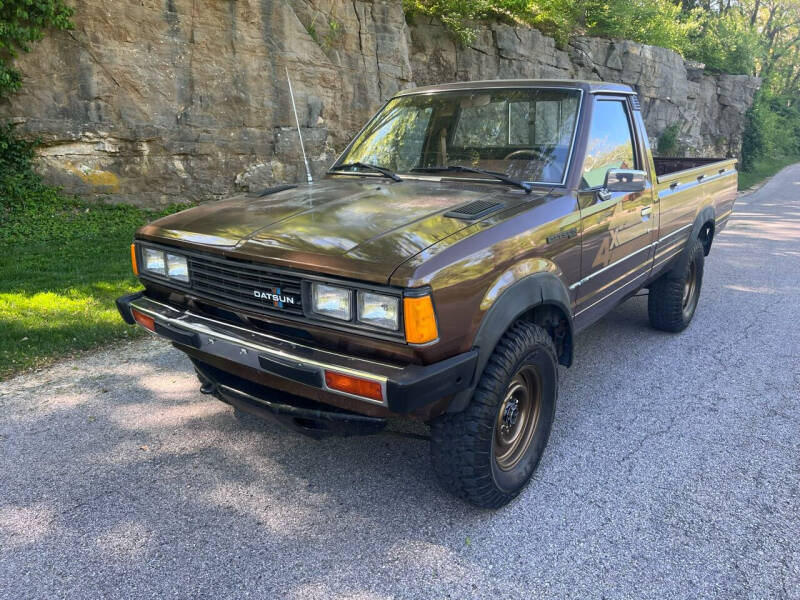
[474, 210]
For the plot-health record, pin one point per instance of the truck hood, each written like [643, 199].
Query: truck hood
[361, 228]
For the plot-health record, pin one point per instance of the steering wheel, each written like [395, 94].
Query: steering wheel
[532, 153]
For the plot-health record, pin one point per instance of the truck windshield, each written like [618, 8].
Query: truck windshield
[524, 133]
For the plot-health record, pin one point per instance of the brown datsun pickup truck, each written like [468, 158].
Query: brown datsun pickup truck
[441, 270]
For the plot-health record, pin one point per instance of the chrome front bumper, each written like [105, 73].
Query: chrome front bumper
[403, 388]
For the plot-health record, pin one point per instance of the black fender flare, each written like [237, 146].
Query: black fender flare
[522, 296]
[704, 216]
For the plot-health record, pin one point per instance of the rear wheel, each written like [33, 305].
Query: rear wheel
[673, 297]
[487, 453]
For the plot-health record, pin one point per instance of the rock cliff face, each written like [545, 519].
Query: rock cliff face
[163, 101]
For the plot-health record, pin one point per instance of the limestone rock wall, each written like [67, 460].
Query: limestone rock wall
[159, 101]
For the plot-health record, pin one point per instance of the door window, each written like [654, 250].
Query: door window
[610, 143]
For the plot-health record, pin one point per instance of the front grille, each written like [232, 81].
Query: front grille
[235, 283]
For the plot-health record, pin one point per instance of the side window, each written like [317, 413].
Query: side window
[610, 143]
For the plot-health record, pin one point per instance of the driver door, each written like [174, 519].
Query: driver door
[618, 228]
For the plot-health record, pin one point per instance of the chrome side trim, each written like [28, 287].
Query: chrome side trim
[218, 343]
[611, 293]
[624, 258]
[676, 232]
[614, 264]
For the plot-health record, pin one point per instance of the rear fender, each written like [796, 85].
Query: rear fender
[706, 215]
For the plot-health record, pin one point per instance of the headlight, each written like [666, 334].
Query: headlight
[331, 301]
[154, 261]
[378, 310]
[165, 264]
[177, 267]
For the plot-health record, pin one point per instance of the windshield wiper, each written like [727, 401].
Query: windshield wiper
[361, 165]
[462, 169]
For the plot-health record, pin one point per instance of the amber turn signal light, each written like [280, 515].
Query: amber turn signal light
[134, 266]
[143, 320]
[419, 320]
[354, 385]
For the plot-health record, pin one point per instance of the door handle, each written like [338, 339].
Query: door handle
[647, 210]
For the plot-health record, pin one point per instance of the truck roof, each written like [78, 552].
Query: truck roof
[590, 87]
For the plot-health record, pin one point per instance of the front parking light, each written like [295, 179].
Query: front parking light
[134, 266]
[354, 385]
[419, 319]
[144, 320]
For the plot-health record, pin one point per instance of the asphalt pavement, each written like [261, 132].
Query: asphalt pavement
[673, 470]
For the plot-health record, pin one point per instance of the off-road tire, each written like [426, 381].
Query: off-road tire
[463, 444]
[666, 301]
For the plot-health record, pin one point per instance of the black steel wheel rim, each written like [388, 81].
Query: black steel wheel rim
[517, 418]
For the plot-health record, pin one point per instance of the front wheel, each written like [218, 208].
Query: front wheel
[487, 453]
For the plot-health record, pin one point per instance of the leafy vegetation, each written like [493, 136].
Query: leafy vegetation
[63, 261]
[762, 168]
[668, 144]
[23, 22]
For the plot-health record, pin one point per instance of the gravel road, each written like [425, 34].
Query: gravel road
[673, 470]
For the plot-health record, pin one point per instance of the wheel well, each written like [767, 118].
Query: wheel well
[706, 236]
[552, 319]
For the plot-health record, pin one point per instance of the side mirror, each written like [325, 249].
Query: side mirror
[625, 180]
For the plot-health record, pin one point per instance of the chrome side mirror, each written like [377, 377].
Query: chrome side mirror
[625, 180]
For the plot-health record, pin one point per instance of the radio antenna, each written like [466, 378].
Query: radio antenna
[297, 122]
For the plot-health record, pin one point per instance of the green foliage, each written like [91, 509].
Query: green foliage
[654, 22]
[772, 129]
[460, 15]
[668, 144]
[330, 38]
[23, 22]
[724, 43]
[761, 168]
[63, 261]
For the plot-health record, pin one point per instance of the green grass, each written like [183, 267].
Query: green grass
[763, 168]
[63, 261]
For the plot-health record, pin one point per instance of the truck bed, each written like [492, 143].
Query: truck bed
[685, 187]
[666, 166]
